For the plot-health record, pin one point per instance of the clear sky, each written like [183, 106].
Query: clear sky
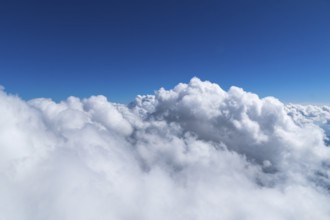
[124, 48]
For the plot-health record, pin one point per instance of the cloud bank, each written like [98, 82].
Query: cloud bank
[192, 152]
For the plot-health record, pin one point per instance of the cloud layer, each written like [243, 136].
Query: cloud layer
[192, 152]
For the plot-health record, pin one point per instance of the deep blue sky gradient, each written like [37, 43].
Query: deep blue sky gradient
[124, 48]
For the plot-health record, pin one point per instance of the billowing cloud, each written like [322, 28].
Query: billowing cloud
[192, 152]
[319, 115]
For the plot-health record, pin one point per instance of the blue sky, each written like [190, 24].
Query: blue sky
[123, 48]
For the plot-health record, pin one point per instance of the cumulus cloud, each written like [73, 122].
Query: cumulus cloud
[192, 152]
[319, 115]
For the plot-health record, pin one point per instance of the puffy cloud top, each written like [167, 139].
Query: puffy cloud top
[192, 152]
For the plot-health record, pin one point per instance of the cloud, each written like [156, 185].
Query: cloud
[192, 152]
[319, 115]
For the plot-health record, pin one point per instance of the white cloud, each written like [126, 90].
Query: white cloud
[193, 152]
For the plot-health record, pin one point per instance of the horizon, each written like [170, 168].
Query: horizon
[126, 102]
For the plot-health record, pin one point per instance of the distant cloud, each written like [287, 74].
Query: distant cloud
[193, 152]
